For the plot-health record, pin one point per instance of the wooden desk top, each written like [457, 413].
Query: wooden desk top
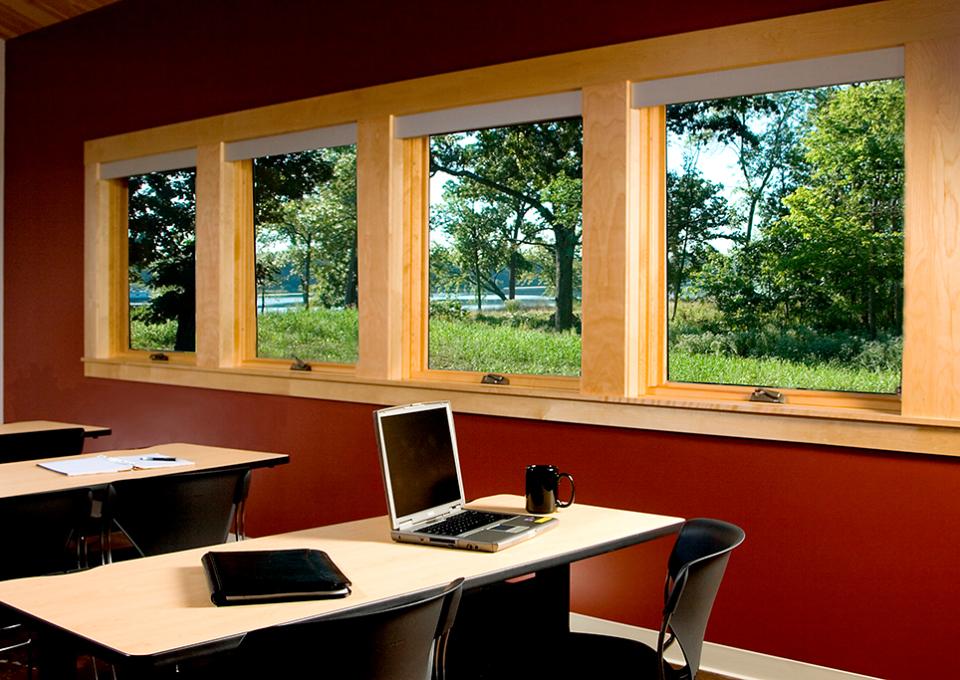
[35, 425]
[162, 604]
[26, 477]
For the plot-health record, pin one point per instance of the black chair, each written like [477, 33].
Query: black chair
[694, 572]
[176, 512]
[41, 532]
[65, 441]
[399, 640]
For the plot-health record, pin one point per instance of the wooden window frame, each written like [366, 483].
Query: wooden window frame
[416, 193]
[653, 228]
[246, 328]
[115, 195]
[623, 363]
[887, 63]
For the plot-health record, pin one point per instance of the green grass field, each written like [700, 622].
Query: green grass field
[507, 343]
[324, 335]
[471, 346]
[774, 372]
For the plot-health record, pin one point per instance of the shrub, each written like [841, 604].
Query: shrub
[451, 310]
[152, 336]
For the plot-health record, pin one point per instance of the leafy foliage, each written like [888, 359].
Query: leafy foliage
[815, 223]
[696, 215]
[514, 190]
[161, 223]
[309, 226]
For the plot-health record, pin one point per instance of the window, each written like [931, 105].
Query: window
[149, 227]
[505, 225]
[161, 260]
[305, 244]
[784, 235]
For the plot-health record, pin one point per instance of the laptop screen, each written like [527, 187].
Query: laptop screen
[419, 451]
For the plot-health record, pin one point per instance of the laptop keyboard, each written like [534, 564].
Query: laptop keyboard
[461, 522]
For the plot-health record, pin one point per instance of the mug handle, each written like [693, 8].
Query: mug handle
[573, 491]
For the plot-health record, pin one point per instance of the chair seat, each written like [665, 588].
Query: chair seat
[590, 655]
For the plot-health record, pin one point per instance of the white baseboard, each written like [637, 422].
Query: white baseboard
[729, 661]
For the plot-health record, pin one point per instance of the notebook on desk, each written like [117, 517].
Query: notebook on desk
[421, 473]
[257, 576]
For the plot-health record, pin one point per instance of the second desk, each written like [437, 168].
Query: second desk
[26, 477]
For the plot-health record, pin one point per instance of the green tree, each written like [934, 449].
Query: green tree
[536, 167]
[696, 215]
[842, 238]
[763, 131]
[477, 249]
[162, 240]
[834, 259]
[306, 211]
[284, 177]
[339, 197]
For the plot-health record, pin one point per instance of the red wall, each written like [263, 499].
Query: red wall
[848, 561]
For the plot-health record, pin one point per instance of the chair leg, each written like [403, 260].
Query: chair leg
[240, 521]
[440, 657]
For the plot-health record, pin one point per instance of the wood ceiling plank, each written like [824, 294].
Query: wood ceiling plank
[22, 16]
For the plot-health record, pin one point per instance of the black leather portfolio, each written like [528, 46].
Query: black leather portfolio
[252, 576]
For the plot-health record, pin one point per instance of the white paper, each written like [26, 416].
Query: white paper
[86, 466]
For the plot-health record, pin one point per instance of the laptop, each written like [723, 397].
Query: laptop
[421, 473]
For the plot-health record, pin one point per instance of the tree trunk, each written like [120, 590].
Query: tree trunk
[186, 340]
[676, 294]
[681, 266]
[350, 295]
[750, 217]
[305, 275]
[512, 283]
[566, 243]
[476, 277]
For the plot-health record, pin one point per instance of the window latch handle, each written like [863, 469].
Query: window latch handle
[300, 365]
[495, 379]
[767, 396]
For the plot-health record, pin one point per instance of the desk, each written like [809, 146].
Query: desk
[26, 477]
[91, 431]
[157, 610]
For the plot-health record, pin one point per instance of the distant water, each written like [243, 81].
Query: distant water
[527, 296]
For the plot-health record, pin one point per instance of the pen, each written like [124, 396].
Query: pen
[160, 458]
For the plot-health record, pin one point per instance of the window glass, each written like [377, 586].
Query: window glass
[161, 223]
[785, 238]
[505, 232]
[305, 230]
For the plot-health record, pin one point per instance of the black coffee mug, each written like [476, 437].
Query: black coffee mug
[542, 484]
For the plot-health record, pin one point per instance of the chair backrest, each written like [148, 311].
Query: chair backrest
[38, 530]
[177, 512]
[401, 640]
[64, 441]
[694, 573]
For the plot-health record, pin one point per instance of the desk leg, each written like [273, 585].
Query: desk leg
[532, 611]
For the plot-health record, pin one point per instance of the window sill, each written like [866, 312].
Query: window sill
[852, 427]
